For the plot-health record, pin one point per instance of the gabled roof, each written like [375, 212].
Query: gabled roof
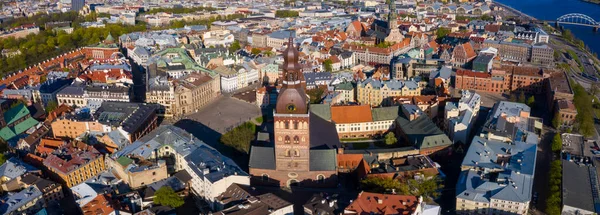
[351, 114]
[422, 132]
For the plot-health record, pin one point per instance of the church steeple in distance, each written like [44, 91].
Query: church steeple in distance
[292, 98]
[392, 17]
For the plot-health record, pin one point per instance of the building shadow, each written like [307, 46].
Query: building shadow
[211, 137]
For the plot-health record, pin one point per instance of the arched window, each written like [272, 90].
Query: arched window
[287, 124]
[265, 177]
[287, 140]
[288, 153]
[296, 140]
[296, 125]
[296, 153]
[320, 178]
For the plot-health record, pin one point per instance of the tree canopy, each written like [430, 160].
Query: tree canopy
[328, 65]
[442, 32]
[51, 106]
[286, 13]
[240, 137]
[583, 103]
[315, 95]
[167, 197]
[556, 120]
[426, 187]
[235, 46]
[390, 138]
[556, 143]
[553, 203]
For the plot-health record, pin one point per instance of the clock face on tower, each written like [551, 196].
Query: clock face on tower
[291, 107]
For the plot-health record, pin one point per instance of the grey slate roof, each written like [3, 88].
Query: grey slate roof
[422, 132]
[321, 110]
[15, 167]
[17, 200]
[385, 113]
[510, 165]
[262, 157]
[323, 160]
[128, 115]
[577, 189]
[71, 90]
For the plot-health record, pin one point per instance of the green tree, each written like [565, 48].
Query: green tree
[567, 35]
[583, 103]
[381, 185]
[553, 203]
[268, 53]
[235, 46]
[51, 106]
[531, 101]
[522, 98]
[315, 95]
[556, 54]
[556, 120]
[286, 13]
[328, 65]
[442, 32]
[167, 197]
[255, 51]
[240, 137]
[556, 143]
[2, 158]
[428, 187]
[512, 97]
[486, 17]
[390, 138]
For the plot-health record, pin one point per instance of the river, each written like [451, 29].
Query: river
[552, 9]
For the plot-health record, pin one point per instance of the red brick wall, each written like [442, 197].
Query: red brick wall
[281, 178]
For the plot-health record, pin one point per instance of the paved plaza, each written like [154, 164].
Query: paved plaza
[225, 113]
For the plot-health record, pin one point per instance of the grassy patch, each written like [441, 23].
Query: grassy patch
[355, 139]
[260, 119]
[381, 144]
[576, 58]
[360, 145]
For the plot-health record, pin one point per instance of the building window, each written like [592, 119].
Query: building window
[296, 140]
[287, 140]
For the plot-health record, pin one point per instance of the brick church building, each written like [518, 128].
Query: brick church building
[300, 156]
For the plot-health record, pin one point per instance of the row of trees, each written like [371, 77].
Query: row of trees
[286, 13]
[529, 101]
[553, 203]
[583, 103]
[47, 44]
[179, 10]
[207, 22]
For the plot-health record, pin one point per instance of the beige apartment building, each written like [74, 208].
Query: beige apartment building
[374, 92]
[184, 95]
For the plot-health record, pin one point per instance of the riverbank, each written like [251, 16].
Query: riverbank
[592, 1]
[515, 11]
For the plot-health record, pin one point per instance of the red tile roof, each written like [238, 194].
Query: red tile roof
[80, 156]
[351, 114]
[101, 205]
[375, 203]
